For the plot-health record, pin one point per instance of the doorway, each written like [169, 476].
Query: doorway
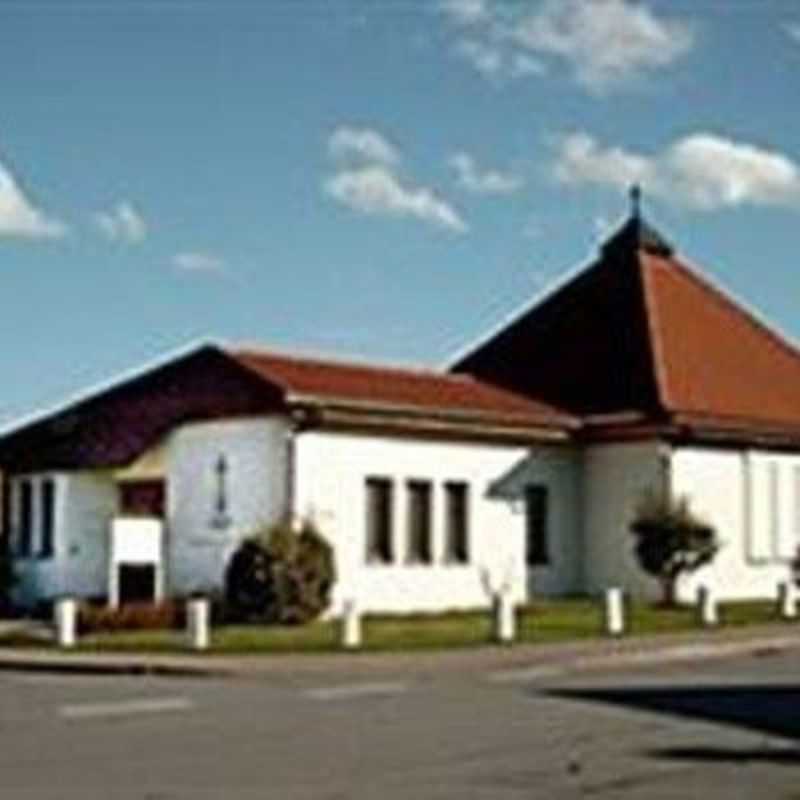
[137, 583]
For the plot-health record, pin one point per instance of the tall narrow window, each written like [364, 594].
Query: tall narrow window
[419, 522]
[379, 521]
[25, 532]
[457, 530]
[48, 518]
[774, 489]
[536, 513]
[5, 534]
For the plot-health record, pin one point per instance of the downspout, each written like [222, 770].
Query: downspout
[299, 421]
[291, 466]
[302, 418]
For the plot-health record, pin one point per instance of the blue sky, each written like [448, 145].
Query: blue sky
[387, 179]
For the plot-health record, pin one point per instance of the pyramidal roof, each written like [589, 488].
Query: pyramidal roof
[640, 335]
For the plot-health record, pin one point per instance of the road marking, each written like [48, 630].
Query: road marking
[523, 675]
[124, 708]
[355, 690]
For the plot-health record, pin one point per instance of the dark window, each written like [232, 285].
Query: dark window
[379, 520]
[419, 522]
[536, 502]
[145, 498]
[457, 509]
[5, 534]
[48, 518]
[25, 519]
[137, 583]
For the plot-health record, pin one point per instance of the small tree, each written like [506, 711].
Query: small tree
[281, 575]
[671, 541]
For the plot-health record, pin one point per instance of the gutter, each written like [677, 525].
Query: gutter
[400, 420]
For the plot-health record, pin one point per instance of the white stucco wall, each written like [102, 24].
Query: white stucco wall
[199, 542]
[330, 487]
[84, 506]
[758, 523]
[560, 470]
[615, 478]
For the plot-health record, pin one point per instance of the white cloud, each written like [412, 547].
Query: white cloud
[19, 217]
[702, 171]
[198, 262]
[605, 43]
[376, 190]
[123, 223]
[466, 12]
[488, 59]
[710, 172]
[496, 62]
[487, 181]
[582, 160]
[362, 144]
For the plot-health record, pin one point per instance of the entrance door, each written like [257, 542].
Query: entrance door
[137, 583]
[142, 498]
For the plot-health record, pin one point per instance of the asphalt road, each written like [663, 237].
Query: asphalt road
[719, 729]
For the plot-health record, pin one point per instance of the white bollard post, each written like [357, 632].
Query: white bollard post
[198, 623]
[707, 607]
[614, 612]
[505, 621]
[787, 600]
[66, 614]
[351, 626]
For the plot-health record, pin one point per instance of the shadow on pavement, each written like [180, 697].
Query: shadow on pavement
[783, 756]
[771, 710]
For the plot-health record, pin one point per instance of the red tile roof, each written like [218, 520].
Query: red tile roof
[714, 358]
[639, 340]
[639, 333]
[115, 425]
[394, 388]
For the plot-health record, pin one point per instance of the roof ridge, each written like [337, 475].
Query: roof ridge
[241, 354]
[653, 322]
[345, 361]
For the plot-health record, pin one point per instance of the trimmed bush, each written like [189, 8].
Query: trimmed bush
[280, 575]
[671, 541]
[248, 585]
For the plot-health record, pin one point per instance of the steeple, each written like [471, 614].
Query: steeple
[636, 234]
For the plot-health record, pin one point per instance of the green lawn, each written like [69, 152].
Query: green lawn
[551, 621]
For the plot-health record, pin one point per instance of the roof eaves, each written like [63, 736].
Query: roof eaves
[555, 420]
[84, 396]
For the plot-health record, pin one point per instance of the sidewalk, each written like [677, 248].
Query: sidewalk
[521, 660]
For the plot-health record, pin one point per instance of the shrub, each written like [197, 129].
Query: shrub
[248, 588]
[129, 617]
[671, 541]
[280, 575]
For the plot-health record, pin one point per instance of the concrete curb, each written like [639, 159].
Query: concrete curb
[501, 664]
[685, 653]
[81, 664]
